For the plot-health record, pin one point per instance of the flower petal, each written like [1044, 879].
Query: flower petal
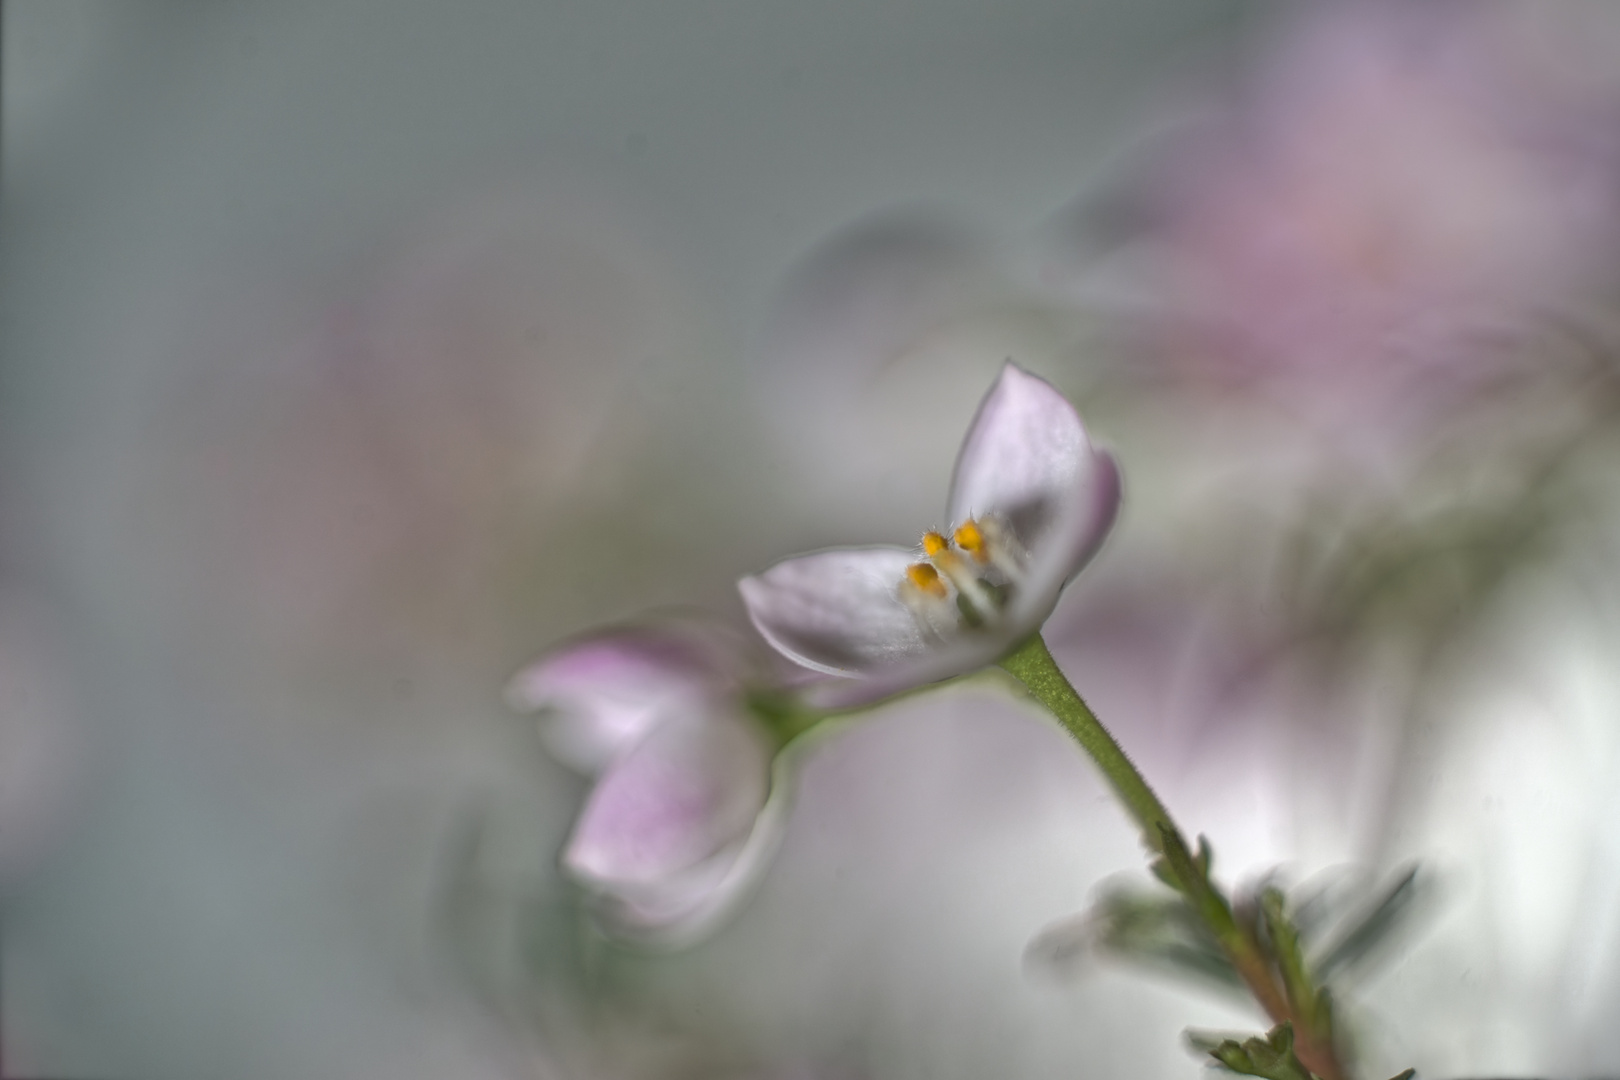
[691, 788]
[685, 907]
[1027, 458]
[837, 611]
[1026, 445]
[961, 655]
[1081, 521]
[607, 691]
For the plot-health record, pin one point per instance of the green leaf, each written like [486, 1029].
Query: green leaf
[1161, 870]
[1318, 903]
[1199, 963]
[1302, 993]
[1141, 926]
[1162, 932]
[1210, 906]
[1270, 1056]
[1373, 927]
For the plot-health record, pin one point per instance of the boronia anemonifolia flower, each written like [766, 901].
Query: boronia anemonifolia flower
[1031, 502]
[687, 807]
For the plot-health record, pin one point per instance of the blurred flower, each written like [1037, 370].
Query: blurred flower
[1398, 195]
[606, 693]
[1031, 502]
[686, 811]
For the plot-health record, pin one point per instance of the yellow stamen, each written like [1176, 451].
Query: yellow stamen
[934, 544]
[1002, 548]
[926, 578]
[972, 540]
[964, 577]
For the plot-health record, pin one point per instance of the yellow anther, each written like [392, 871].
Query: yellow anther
[971, 539]
[934, 544]
[926, 578]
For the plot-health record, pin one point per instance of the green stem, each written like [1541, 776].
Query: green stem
[783, 716]
[1032, 664]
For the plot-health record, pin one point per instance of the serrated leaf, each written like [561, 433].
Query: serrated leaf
[1270, 1056]
[1207, 903]
[1297, 984]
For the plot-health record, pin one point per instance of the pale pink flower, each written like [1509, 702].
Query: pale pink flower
[604, 693]
[1031, 502]
[688, 807]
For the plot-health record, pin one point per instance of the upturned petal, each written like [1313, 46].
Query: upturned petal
[1081, 520]
[666, 825]
[836, 611]
[604, 693]
[1026, 456]
[1028, 460]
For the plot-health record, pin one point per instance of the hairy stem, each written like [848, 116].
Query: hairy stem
[1032, 664]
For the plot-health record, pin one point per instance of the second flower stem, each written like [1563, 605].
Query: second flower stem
[1032, 664]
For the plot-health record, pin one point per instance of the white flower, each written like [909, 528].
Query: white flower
[687, 808]
[1031, 502]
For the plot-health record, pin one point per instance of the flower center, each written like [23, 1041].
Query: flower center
[964, 581]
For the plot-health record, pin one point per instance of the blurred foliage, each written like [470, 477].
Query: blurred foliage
[1335, 925]
[1308, 935]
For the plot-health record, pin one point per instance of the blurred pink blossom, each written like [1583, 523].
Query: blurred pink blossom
[1396, 192]
[605, 693]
